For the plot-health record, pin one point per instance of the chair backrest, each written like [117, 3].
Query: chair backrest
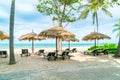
[3, 52]
[95, 50]
[41, 50]
[24, 51]
[51, 54]
[74, 49]
[65, 53]
[67, 49]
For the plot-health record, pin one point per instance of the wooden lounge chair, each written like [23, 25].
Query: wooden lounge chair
[41, 51]
[67, 49]
[95, 52]
[25, 52]
[107, 51]
[50, 55]
[3, 54]
[74, 50]
[65, 54]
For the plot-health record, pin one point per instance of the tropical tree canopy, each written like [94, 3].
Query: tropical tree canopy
[60, 10]
[95, 5]
[117, 28]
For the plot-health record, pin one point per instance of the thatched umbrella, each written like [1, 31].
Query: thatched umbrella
[3, 35]
[95, 36]
[56, 32]
[70, 39]
[31, 37]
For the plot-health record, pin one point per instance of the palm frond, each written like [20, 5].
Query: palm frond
[83, 6]
[106, 12]
[116, 25]
[116, 29]
[84, 13]
[118, 34]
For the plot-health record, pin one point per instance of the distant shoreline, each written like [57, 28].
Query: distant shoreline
[44, 45]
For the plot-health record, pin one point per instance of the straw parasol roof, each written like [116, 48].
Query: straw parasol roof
[95, 35]
[31, 37]
[3, 35]
[56, 31]
[71, 39]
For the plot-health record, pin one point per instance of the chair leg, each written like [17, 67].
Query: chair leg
[68, 57]
[48, 59]
[63, 58]
[21, 55]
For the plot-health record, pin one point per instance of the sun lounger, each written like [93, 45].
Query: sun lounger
[74, 50]
[3, 54]
[50, 55]
[95, 52]
[107, 51]
[41, 51]
[25, 52]
[65, 54]
[67, 49]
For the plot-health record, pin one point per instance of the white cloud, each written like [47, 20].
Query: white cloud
[38, 22]
[26, 6]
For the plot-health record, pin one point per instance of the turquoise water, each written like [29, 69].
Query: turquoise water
[43, 45]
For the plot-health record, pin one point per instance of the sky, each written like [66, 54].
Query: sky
[27, 18]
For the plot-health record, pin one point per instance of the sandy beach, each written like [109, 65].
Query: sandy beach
[79, 67]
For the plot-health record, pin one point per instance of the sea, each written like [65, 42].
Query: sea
[43, 45]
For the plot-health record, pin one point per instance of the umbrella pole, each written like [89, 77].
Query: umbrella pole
[32, 46]
[69, 44]
[95, 43]
[56, 46]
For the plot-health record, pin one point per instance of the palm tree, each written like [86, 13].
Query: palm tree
[117, 28]
[94, 6]
[11, 47]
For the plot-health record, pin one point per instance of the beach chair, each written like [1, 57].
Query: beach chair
[3, 54]
[65, 54]
[74, 50]
[25, 52]
[105, 52]
[50, 56]
[67, 49]
[41, 51]
[95, 52]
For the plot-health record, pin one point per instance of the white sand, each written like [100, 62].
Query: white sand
[79, 67]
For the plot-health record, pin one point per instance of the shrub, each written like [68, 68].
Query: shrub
[105, 46]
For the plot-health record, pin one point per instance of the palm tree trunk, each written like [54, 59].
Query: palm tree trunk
[118, 49]
[97, 25]
[11, 47]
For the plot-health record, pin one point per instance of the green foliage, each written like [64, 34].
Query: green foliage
[116, 2]
[117, 28]
[68, 2]
[60, 10]
[95, 5]
[105, 46]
